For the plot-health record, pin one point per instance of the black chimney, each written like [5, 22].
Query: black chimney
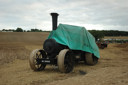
[54, 20]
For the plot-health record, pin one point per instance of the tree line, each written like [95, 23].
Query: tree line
[21, 30]
[101, 33]
[96, 33]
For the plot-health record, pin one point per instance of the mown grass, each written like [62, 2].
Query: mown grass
[124, 46]
[10, 53]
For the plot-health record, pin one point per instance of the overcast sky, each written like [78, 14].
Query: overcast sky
[92, 14]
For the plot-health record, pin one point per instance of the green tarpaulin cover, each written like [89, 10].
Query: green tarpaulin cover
[76, 38]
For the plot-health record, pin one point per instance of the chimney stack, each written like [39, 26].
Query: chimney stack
[54, 20]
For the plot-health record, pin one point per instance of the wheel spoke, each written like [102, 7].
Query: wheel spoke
[65, 59]
[68, 63]
[35, 62]
[38, 55]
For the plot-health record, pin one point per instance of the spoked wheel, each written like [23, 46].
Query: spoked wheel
[65, 61]
[34, 58]
[90, 59]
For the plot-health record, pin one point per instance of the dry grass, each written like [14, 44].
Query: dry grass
[10, 53]
[112, 68]
[15, 45]
[25, 37]
[116, 37]
[124, 46]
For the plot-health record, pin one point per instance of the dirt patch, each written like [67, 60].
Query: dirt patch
[124, 46]
[111, 70]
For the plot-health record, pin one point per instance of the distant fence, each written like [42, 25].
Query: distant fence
[116, 40]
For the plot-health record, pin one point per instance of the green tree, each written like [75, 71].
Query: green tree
[97, 34]
[19, 30]
[3, 29]
[36, 30]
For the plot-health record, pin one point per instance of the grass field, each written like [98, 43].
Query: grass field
[19, 45]
[15, 49]
[116, 37]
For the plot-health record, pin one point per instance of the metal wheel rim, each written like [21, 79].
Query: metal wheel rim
[68, 62]
[64, 63]
[36, 54]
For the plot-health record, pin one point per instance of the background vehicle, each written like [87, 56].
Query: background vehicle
[102, 44]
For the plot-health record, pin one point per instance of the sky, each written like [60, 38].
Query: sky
[91, 14]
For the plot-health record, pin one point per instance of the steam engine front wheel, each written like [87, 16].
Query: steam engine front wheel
[34, 60]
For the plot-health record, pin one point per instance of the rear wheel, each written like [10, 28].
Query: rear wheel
[34, 60]
[90, 59]
[65, 61]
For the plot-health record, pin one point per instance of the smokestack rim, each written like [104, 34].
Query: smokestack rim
[54, 14]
